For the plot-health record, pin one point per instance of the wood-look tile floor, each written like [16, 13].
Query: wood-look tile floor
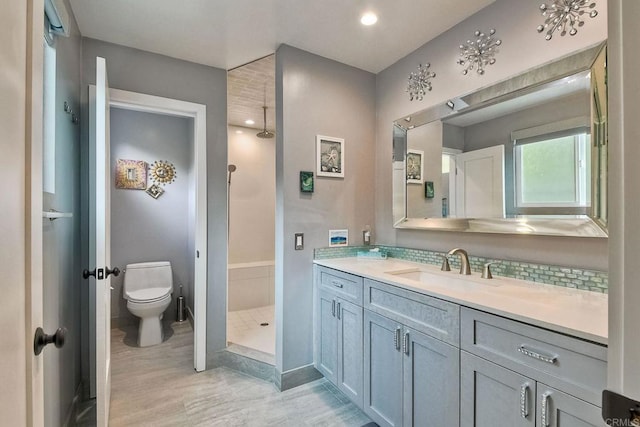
[157, 386]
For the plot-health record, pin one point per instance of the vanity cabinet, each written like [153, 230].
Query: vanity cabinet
[339, 346]
[408, 375]
[521, 375]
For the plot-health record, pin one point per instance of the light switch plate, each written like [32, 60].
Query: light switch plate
[299, 241]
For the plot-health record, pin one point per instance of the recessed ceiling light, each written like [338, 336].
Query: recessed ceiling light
[238, 131]
[249, 122]
[369, 18]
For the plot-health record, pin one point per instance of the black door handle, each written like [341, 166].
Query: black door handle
[115, 272]
[86, 273]
[41, 339]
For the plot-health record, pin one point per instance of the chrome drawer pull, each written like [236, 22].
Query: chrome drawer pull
[537, 355]
[396, 338]
[333, 308]
[405, 343]
[524, 400]
[545, 409]
[338, 311]
[337, 284]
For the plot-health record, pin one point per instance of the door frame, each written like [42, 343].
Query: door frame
[135, 101]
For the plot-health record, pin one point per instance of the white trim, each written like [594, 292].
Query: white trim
[156, 104]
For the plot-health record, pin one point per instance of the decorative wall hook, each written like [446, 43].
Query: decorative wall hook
[420, 82]
[565, 14]
[480, 52]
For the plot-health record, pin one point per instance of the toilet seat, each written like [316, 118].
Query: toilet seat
[143, 296]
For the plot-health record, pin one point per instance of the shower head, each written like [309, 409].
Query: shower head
[265, 134]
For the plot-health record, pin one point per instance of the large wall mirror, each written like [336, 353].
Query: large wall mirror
[527, 155]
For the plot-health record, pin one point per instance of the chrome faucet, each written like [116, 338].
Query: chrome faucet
[464, 260]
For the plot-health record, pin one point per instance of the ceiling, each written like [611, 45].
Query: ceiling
[229, 33]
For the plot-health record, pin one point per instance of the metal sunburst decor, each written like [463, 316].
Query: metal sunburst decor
[565, 14]
[162, 172]
[479, 53]
[420, 82]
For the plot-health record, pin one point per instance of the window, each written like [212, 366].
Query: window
[49, 119]
[554, 171]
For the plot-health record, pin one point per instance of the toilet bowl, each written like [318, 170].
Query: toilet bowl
[147, 288]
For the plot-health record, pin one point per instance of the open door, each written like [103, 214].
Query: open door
[99, 239]
[479, 183]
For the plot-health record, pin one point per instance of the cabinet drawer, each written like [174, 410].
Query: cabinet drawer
[575, 366]
[432, 316]
[344, 285]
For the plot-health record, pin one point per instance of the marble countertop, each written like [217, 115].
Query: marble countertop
[574, 312]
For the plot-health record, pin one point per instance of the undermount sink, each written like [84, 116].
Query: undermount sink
[445, 279]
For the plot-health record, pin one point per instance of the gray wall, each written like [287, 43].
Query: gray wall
[252, 197]
[154, 74]
[315, 95]
[522, 49]
[62, 282]
[145, 229]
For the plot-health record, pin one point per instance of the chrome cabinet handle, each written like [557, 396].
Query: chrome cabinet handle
[396, 338]
[337, 284]
[545, 409]
[333, 308]
[338, 311]
[405, 343]
[551, 359]
[524, 400]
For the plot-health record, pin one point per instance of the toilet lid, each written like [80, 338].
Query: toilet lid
[148, 295]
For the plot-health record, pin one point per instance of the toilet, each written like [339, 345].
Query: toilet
[147, 289]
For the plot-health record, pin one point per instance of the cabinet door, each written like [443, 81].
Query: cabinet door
[558, 409]
[431, 385]
[350, 350]
[493, 396]
[326, 359]
[382, 370]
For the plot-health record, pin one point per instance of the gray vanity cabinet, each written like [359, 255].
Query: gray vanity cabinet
[410, 377]
[339, 343]
[493, 396]
[558, 409]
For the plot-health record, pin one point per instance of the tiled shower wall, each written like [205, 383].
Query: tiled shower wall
[580, 278]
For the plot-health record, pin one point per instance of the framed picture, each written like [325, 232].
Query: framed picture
[131, 174]
[155, 191]
[338, 237]
[330, 156]
[429, 191]
[414, 166]
[306, 182]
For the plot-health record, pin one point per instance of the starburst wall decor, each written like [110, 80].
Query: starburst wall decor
[565, 14]
[478, 53]
[420, 82]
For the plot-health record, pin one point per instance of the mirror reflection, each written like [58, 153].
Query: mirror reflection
[527, 154]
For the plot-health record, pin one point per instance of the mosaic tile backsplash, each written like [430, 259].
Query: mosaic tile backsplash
[580, 278]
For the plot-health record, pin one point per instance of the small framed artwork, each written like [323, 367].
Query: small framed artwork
[415, 166]
[330, 156]
[306, 182]
[338, 237]
[429, 191]
[131, 174]
[155, 191]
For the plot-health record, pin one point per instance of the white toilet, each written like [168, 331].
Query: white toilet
[147, 289]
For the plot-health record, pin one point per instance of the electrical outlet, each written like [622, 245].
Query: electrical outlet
[299, 241]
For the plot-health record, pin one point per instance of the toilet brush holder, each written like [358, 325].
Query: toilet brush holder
[181, 309]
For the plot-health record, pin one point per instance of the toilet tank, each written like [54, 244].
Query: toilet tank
[147, 275]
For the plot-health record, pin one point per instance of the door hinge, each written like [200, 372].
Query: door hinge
[197, 254]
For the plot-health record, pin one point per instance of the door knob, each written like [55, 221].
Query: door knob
[115, 272]
[41, 339]
[86, 273]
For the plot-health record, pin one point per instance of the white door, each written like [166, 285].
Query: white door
[479, 189]
[99, 239]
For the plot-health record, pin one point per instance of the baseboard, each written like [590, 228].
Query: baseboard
[72, 413]
[296, 377]
[246, 365]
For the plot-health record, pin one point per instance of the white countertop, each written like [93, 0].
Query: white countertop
[574, 312]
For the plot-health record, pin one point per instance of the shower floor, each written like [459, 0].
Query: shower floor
[243, 328]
